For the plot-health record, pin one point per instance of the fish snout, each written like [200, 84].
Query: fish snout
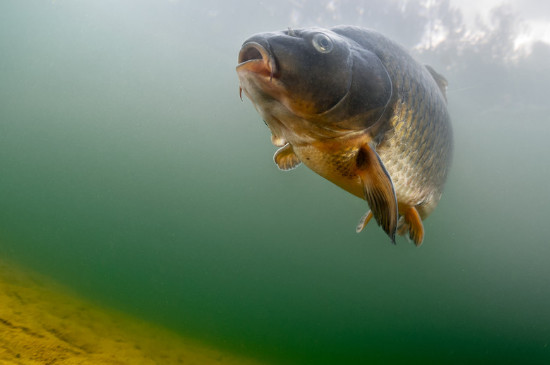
[256, 58]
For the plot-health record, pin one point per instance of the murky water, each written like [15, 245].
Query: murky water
[132, 172]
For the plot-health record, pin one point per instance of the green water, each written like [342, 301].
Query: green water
[131, 171]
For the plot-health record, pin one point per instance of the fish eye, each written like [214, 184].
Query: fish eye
[322, 43]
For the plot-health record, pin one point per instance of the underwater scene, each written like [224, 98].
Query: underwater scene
[144, 221]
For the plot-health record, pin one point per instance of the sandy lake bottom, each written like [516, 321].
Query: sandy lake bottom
[42, 322]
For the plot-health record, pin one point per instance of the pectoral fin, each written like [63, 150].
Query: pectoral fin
[378, 189]
[285, 158]
[278, 141]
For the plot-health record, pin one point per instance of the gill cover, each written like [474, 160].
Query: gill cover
[331, 78]
[370, 92]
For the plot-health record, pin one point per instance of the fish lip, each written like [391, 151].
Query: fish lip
[256, 58]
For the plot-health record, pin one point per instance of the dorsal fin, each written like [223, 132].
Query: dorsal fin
[439, 80]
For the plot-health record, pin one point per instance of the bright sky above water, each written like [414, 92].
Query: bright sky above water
[536, 14]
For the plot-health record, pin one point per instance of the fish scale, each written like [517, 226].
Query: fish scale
[412, 135]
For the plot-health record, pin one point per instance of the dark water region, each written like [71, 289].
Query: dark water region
[132, 172]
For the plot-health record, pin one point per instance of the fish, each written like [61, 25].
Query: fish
[356, 108]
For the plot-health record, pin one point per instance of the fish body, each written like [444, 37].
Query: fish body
[357, 109]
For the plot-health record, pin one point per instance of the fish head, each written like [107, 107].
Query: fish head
[312, 81]
[308, 71]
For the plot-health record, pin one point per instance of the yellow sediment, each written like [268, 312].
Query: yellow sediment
[42, 323]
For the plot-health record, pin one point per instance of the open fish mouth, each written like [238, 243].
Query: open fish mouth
[256, 58]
